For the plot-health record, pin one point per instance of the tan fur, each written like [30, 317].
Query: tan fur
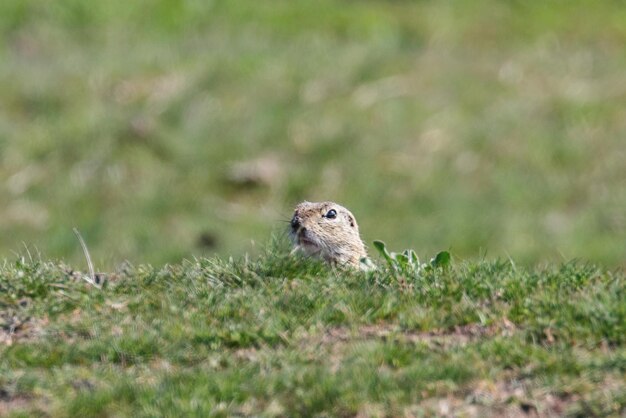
[336, 241]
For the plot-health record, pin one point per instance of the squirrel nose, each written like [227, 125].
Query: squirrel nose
[295, 223]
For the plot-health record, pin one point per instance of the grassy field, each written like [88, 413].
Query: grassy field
[490, 127]
[280, 336]
[177, 135]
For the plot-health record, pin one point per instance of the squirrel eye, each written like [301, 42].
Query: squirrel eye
[331, 214]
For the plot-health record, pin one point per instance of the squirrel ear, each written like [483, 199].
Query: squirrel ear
[351, 219]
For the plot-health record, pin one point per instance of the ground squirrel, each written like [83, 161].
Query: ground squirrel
[328, 231]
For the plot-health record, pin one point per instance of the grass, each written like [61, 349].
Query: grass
[481, 126]
[167, 131]
[281, 336]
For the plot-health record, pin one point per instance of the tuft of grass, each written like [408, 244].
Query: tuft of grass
[276, 335]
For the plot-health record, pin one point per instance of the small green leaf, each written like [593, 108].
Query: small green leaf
[411, 256]
[402, 259]
[380, 246]
[442, 259]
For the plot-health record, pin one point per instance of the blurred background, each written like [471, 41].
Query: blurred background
[170, 129]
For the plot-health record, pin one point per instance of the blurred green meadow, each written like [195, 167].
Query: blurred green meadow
[167, 129]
